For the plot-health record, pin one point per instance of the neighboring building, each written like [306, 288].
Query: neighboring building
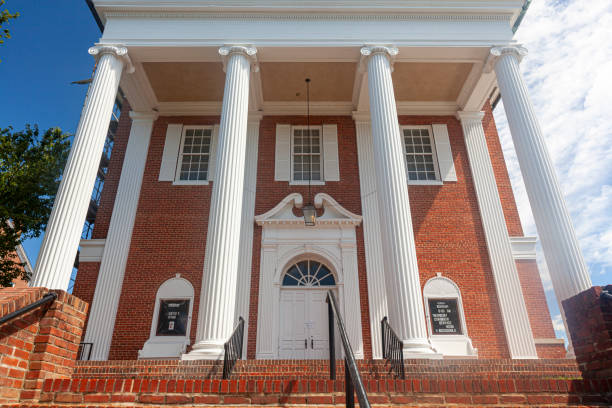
[21, 257]
[200, 220]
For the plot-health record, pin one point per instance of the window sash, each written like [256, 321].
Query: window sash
[302, 154]
[420, 154]
[193, 165]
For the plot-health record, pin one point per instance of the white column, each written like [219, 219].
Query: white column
[507, 283]
[566, 265]
[377, 294]
[405, 300]
[243, 295]
[218, 293]
[63, 233]
[103, 309]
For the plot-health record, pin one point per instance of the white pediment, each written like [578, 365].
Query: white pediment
[333, 213]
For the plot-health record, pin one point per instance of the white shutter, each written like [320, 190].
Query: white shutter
[212, 159]
[171, 151]
[282, 165]
[331, 168]
[445, 155]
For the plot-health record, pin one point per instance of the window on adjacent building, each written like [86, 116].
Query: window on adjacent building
[421, 160]
[306, 154]
[194, 155]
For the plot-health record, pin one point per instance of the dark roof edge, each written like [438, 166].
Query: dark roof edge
[519, 19]
[96, 17]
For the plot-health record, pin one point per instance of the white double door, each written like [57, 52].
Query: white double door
[304, 332]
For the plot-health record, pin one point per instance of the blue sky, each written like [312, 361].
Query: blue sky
[47, 51]
[567, 70]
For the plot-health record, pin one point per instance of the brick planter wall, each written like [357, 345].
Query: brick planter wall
[39, 345]
[589, 318]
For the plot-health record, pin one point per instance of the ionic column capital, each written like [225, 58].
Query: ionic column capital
[119, 51]
[368, 51]
[518, 51]
[470, 117]
[249, 51]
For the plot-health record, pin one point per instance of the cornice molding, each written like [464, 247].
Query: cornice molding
[524, 247]
[119, 51]
[316, 108]
[467, 117]
[280, 16]
[143, 116]
[361, 117]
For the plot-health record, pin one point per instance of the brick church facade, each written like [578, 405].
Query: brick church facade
[218, 154]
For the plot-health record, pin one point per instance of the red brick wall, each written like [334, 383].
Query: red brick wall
[38, 345]
[537, 309]
[171, 223]
[450, 239]
[169, 237]
[589, 319]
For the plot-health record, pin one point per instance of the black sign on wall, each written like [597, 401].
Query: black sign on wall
[444, 315]
[173, 317]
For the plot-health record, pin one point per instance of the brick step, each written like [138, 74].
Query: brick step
[319, 369]
[456, 392]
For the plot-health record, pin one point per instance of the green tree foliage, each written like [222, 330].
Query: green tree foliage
[30, 168]
[5, 16]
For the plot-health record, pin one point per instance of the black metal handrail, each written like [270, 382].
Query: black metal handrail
[392, 349]
[49, 297]
[352, 379]
[233, 349]
[84, 350]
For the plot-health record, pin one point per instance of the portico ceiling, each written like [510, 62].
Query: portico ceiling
[429, 82]
[190, 81]
[186, 81]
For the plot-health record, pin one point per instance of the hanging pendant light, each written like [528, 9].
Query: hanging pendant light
[310, 213]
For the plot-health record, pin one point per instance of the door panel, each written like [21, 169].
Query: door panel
[292, 328]
[303, 325]
[318, 330]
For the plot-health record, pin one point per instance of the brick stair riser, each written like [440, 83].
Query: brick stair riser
[284, 369]
[326, 392]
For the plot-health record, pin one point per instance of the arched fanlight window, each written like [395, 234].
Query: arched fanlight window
[309, 273]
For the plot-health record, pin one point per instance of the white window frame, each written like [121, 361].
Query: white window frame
[179, 160]
[434, 153]
[320, 182]
[447, 341]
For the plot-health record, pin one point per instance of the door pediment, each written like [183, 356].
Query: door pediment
[333, 212]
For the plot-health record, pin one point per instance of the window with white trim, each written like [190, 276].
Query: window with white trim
[306, 154]
[420, 153]
[194, 154]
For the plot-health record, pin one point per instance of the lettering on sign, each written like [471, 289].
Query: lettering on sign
[444, 315]
[173, 316]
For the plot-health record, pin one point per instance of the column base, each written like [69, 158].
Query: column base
[206, 350]
[420, 348]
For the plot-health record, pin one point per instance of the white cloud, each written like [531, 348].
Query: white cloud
[558, 322]
[569, 75]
